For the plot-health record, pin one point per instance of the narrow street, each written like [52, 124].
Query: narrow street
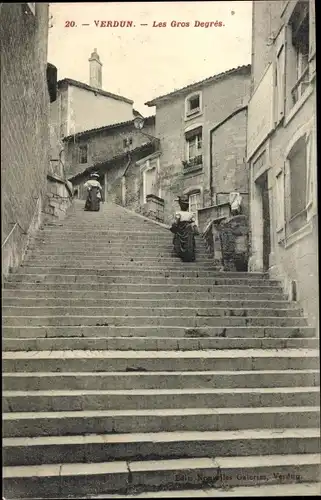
[127, 371]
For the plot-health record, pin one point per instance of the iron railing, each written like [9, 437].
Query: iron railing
[197, 161]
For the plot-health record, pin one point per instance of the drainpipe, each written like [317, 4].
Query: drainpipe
[61, 162]
[212, 130]
[123, 178]
[129, 160]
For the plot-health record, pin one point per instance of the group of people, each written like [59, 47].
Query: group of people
[183, 227]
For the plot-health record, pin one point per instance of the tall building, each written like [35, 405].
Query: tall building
[202, 133]
[281, 148]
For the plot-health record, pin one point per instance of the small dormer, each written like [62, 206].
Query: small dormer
[193, 105]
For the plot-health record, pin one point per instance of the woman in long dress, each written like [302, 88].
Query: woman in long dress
[94, 195]
[184, 229]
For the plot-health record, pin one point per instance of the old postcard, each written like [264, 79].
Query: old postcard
[159, 249]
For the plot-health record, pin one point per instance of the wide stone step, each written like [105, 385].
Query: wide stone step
[162, 332]
[81, 223]
[108, 241]
[56, 480]
[141, 399]
[183, 321]
[227, 275]
[130, 255]
[109, 233]
[125, 250]
[121, 255]
[172, 292]
[160, 263]
[149, 344]
[103, 231]
[81, 254]
[23, 302]
[95, 448]
[73, 423]
[210, 275]
[109, 361]
[134, 311]
[127, 278]
[93, 381]
[114, 246]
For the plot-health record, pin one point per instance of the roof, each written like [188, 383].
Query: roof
[140, 149]
[106, 128]
[84, 86]
[194, 86]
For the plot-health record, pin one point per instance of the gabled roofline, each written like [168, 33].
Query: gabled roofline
[110, 161]
[84, 86]
[106, 128]
[194, 86]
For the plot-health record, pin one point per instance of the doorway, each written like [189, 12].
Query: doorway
[194, 200]
[262, 183]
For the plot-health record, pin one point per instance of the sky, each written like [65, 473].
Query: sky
[144, 62]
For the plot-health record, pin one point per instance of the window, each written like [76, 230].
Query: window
[193, 105]
[194, 148]
[279, 77]
[83, 154]
[150, 178]
[127, 142]
[297, 171]
[195, 203]
[299, 24]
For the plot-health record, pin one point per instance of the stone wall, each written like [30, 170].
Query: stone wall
[24, 124]
[133, 188]
[230, 172]
[58, 198]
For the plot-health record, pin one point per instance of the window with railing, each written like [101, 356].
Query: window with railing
[194, 148]
[296, 189]
[299, 25]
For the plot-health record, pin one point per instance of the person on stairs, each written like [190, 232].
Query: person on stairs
[94, 193]
[184, 228]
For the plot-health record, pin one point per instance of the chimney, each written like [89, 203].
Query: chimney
[95, 79]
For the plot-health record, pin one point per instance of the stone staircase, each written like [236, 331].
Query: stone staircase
[128, 373]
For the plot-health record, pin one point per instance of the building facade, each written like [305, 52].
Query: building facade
[123, 181]
[81, 107]
[100, 148]
[191, 124]
[281, 148]
[24, 124]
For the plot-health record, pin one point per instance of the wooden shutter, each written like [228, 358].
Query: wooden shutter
[280, 46]
[280, 208]
[312, 48]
